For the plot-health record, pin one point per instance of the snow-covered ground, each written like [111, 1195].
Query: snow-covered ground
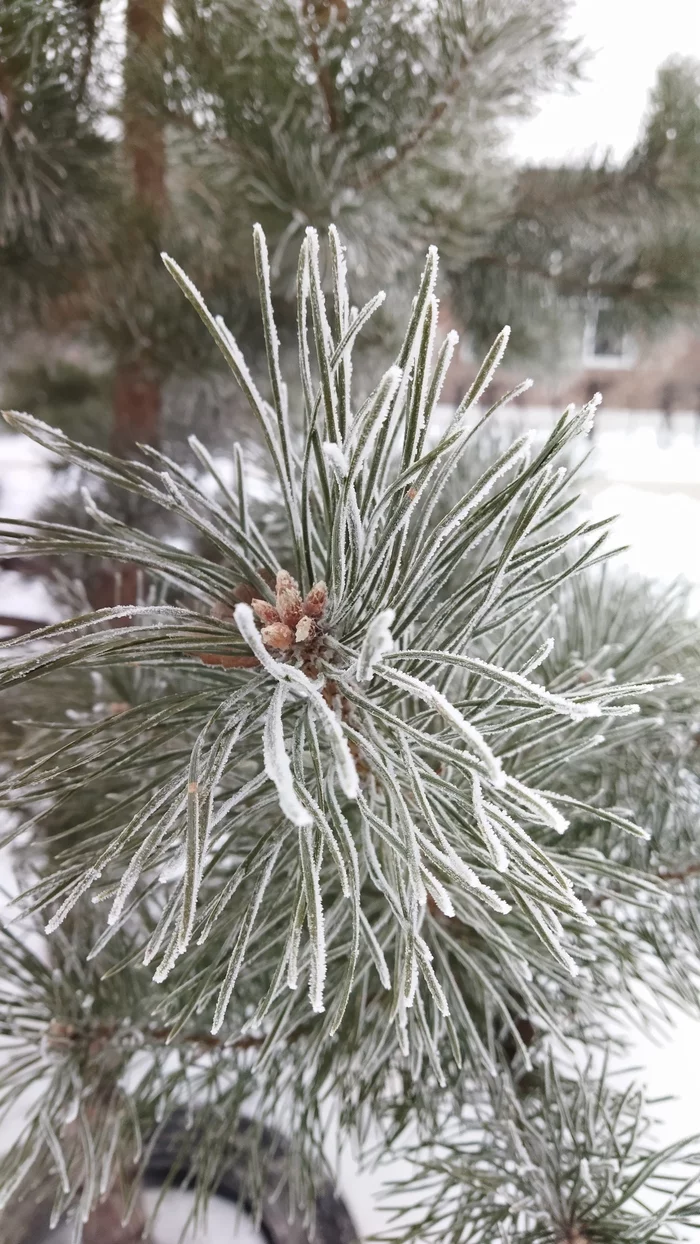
[639, 471]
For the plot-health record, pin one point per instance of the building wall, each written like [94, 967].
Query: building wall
[664, 377]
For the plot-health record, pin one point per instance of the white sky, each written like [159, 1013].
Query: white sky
[630, 39]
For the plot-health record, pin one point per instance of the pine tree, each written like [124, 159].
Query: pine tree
[377, 814]
[387, 116]
[624, 236]
[181, 132]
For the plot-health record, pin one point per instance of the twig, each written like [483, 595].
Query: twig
[22, 625]
[423, 130]
[691, 870]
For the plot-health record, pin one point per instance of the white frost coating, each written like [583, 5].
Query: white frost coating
[235, 350]
[243, 793]
[517, 450]
[493, 842]
[92, 874]
[569, 963]
[159, 935]
[293, 957]
[537, 801]
[411, 977]
[438, 892]
[297, 682]
[341, 274]
[424, 957]
[315, 273]
[241, 944]
[441, 367]
[221, 331]
[335, 456]
[432, 263]
[540, 656]
[363, 428]
[138, 861]
[543, 867]
[589, 413]
[578, 710]
[430, 695]
[168, 962]
[497, 351]
[276, 760]
[315, 922]
[260, 242]
[459, 872]
[377, 642]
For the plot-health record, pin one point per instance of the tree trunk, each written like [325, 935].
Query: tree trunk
[104, 1226]
[136, 405]
[137, 387]
[144, 136]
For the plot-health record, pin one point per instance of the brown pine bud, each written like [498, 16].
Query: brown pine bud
[315, 602]
[245, 593]
[278, 635]
[288, 598]
[222, 610]
[305, 630]
[265, 611]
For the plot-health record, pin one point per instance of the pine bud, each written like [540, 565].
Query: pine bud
[305, 629]
[277, 635]
[315, 602]
[244, 592]
[288, 598]
[266, 612]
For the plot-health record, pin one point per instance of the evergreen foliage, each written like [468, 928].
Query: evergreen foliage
[374, 789]
[123, 135]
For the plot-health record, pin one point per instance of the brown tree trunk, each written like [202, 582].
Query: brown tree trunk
[104, 1226]
[137, 386]
[319, 13]
[144, 137]
[136, 405]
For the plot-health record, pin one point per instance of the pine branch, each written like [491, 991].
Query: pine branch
[318, 14]
[680, 874]
[413, 142]
[345, 817]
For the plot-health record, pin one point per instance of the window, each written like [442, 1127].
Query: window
[606, 342]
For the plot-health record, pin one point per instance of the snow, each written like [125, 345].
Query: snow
[25, 478]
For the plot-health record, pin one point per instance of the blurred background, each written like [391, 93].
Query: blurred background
[550, 149]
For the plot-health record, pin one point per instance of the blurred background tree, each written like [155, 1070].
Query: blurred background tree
[131, 127]
[624, 235]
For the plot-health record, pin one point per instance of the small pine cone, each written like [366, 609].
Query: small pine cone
[288, 598]
[267, 613]
[305, 630]
[277, 635]
[315, 602]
